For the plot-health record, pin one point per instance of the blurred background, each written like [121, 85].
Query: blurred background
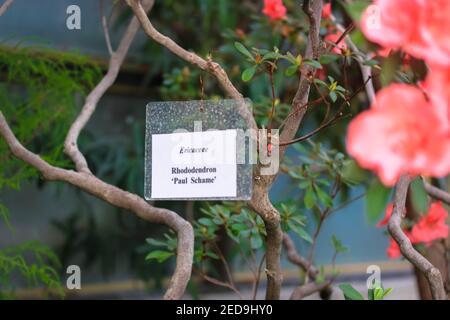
[107, 243]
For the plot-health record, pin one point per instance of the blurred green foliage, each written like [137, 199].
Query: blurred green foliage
[39, 94]
[33, 262]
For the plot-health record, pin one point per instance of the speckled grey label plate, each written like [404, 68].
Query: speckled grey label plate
[168, 122]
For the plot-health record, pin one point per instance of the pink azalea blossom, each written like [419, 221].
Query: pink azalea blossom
[401, 133]
[393, 251]
[326, 11]
[431, 226]
[274, 9]
[419, 27]
[334, 37]
[437, 85]
[387, 216]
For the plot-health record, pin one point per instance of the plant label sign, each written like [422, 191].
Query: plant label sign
[195, 150]
[194, 164]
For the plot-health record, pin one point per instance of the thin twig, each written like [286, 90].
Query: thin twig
[338, 115]
[220, 283]
[436, 193]
[295, 258]
[323, 216]
[225, 264]
[5, 6]
[258, 277]
[90, 105]
[366, 71]
[207, 65]
[308, 289]
[272, 90]
[106, 30]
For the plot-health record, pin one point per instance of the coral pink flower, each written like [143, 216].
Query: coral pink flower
[326, 11]
[334, 37]
[432, 226]
[393, 251]
[434, 45]
[391, 23]
[419, 27]
[437, 85]
[401, 133]
[384, 52]
[387, 216]
[274, 9]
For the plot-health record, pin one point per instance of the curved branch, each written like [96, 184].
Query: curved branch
[119, 198]
[421, 263]
[207, 65]
[308, 289]
[297, 259]
[115, 62]
[105, 29]
[436, 193]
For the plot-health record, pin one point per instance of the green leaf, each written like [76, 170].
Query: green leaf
[248, 73]
[156, 243]
[333, 96]
[159, 255]
[386, 292]
[4, 214]
[206, 222]
[378, 293]
[242, 49]
[289, 57]
[271, 56]
[291, 70]
[349, 292]
[352, 173]
[314, 63]
[419, 195]
[239, 227]
[370, 294]
[212, 255]
[320, 82]
[310, 198]
[301, 232]
[337, 244]
[324, 197]
[328, 58]
[376, 200]
[218, 220]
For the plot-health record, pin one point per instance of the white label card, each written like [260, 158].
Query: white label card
[194, 165]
